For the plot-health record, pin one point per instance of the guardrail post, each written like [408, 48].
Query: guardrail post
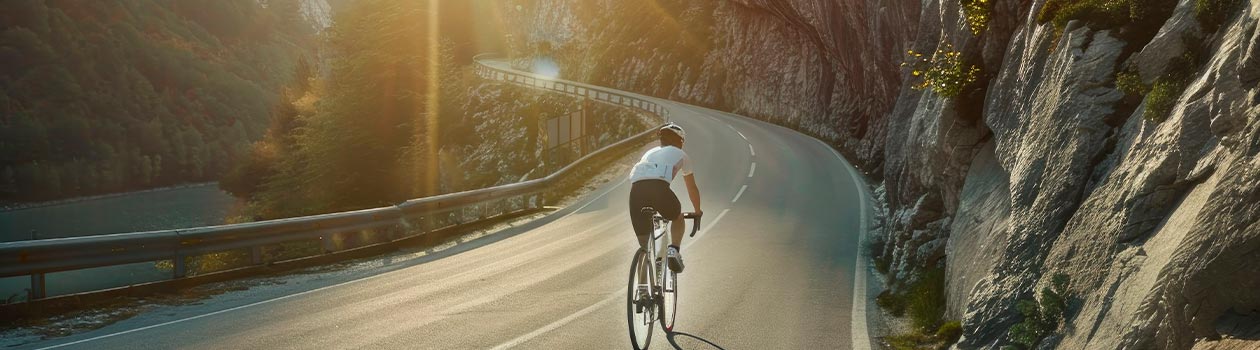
[181, 266]
[256, 255]
[39, 289]
[327, 241]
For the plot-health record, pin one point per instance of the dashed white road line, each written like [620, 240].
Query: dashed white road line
[751, 151]
[706, 228]
[741, 135]
[741, 193]
[611, 297]
[752, 169]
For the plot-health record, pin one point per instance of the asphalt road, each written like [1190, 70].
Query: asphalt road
[774, 268]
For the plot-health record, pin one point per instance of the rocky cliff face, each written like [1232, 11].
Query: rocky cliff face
[1042, 167]
[829, 68]
[317, 12]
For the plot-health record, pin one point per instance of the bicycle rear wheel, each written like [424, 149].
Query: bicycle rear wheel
[669, 297]
[640, 307]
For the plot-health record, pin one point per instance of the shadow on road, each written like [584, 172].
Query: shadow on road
[673, 340]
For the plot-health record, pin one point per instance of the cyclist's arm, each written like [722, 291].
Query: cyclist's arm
[693, 191]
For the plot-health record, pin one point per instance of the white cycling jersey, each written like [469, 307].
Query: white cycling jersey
[661, 163]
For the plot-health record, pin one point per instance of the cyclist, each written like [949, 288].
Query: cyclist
[650, 180]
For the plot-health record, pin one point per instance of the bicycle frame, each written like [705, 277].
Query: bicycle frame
[655, 248]
[652, 294]
[657, 243]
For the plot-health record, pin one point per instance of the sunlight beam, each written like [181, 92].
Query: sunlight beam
[433, 105]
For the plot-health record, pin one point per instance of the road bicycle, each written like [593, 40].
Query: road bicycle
[652, 290]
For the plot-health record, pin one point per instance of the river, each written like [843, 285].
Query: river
[192, 206]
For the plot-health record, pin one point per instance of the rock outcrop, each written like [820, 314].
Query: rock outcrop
[1042, 167]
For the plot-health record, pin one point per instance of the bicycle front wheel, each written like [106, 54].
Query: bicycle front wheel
[640, 306]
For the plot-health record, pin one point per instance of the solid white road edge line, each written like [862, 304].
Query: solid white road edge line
[752, 169]
[612, 296]
[81, 341]
[601, 195]
[561, 322]
[859, 330]
[741, 192]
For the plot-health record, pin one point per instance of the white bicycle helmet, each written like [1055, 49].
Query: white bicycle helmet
[678, 130]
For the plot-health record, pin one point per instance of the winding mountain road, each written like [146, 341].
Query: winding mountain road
[776, 266]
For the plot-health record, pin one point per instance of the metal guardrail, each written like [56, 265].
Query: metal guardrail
[37, 258]
[577, 90]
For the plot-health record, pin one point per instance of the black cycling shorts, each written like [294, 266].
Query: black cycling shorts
[655, 194]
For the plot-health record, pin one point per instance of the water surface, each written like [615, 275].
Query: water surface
[193, 206]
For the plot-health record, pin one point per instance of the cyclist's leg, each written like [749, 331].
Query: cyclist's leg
[676, 229]
[669, 207]
[641, 196]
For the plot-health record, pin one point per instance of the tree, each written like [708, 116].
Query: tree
[374, 113]
[248, 177]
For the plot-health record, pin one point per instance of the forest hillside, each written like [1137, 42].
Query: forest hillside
[110, 96]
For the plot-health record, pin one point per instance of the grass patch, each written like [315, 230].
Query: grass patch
[945, 72]
[924, 304]
[1042, 316]
[923, 301]
[977, 13]
[951, 331]
[1213, 13]
[941, 339]
[895, 305]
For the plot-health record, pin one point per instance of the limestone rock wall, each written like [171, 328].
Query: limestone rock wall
[1043, 167]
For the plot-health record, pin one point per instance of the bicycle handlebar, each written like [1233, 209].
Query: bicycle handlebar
[695, 222]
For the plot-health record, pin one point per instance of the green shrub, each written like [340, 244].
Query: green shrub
[1098, 14]
[1130, 83]
[1213, 13]
[1041, 316]
[1142, 18]
[945, 72]
[1161, 99]
[1164, 91]
[977, 14]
